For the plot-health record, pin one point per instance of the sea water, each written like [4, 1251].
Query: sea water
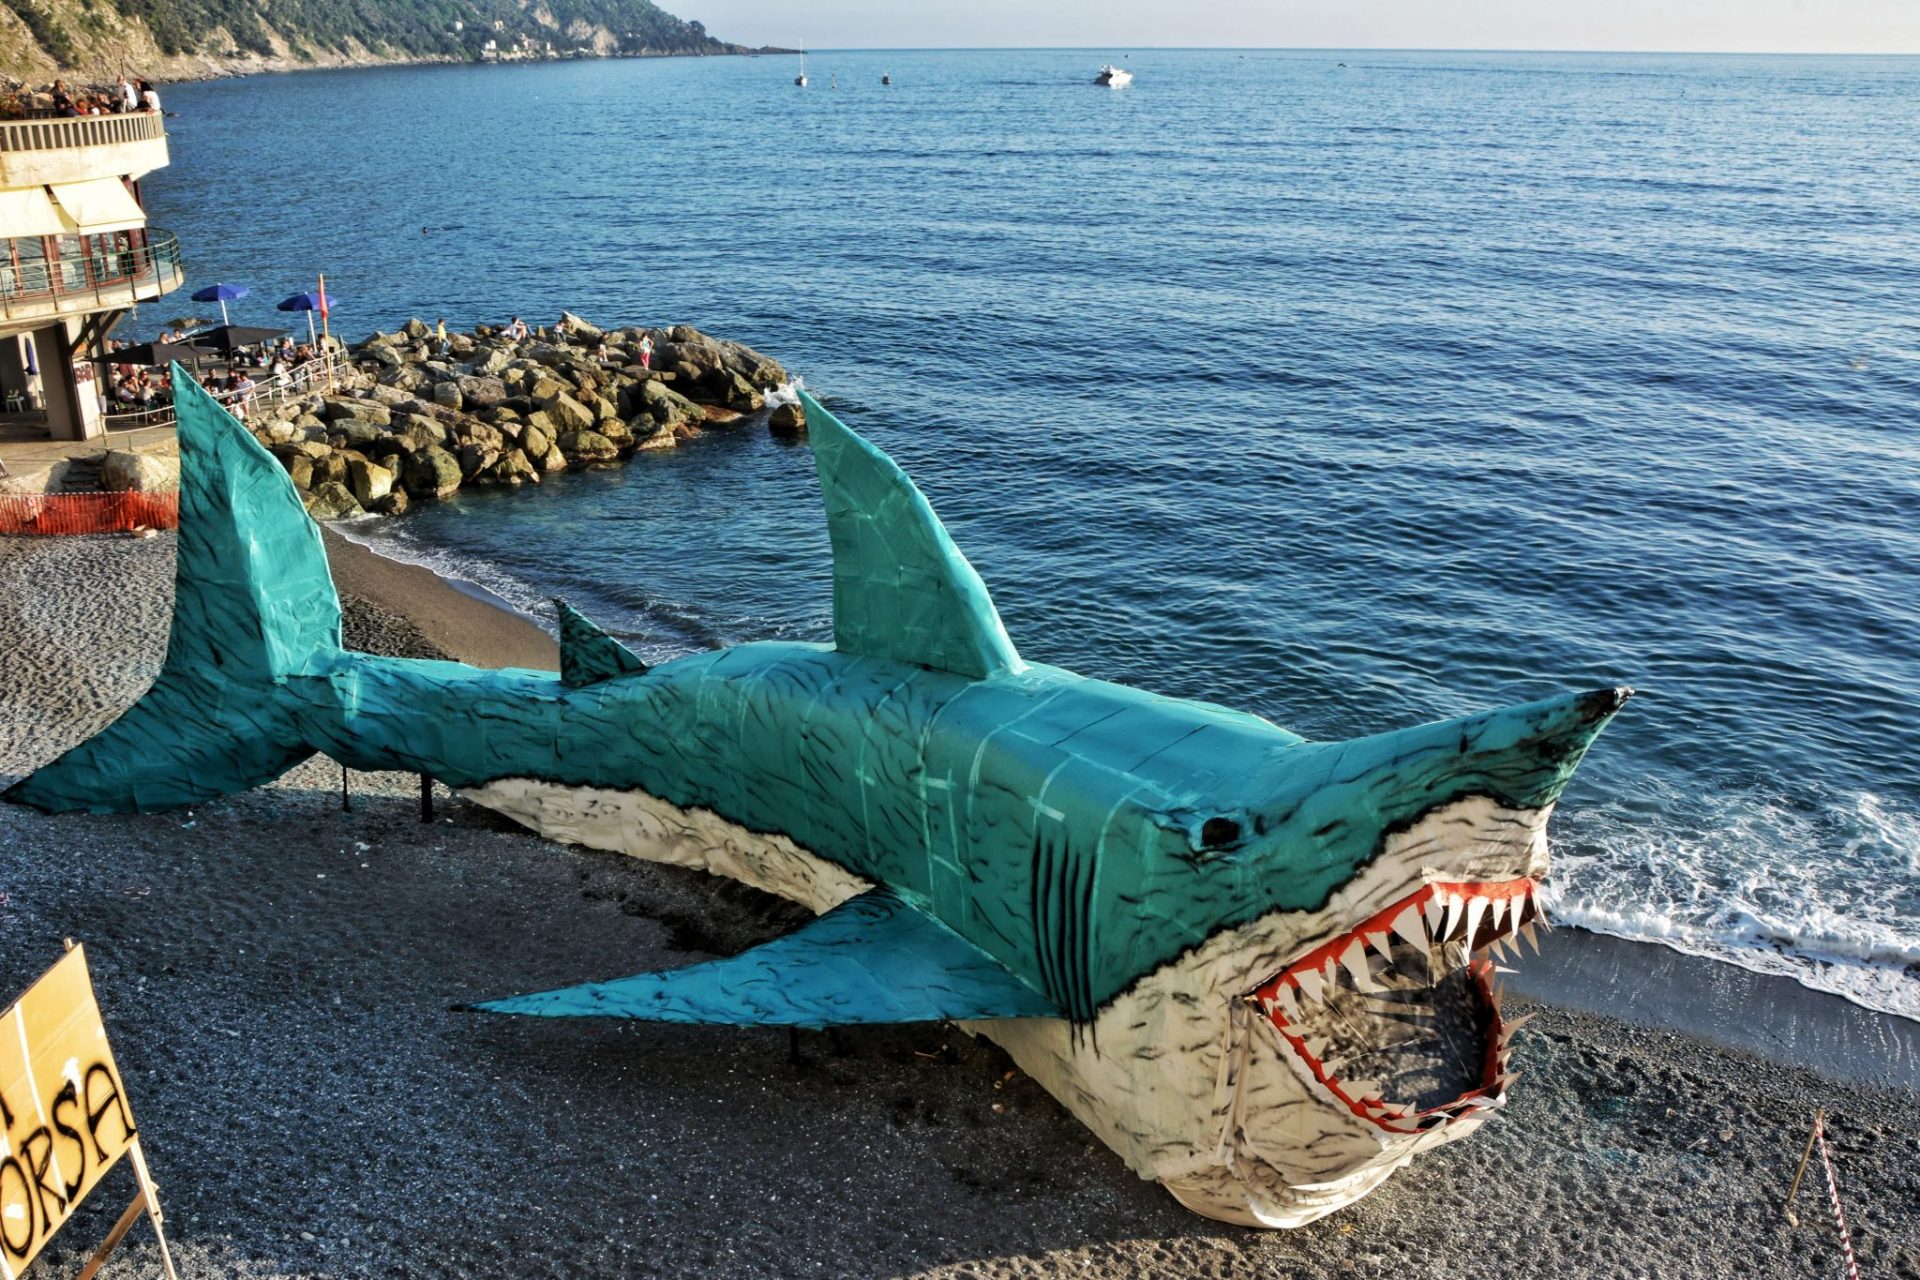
[1355, 389]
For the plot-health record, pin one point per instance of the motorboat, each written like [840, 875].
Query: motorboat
[886, 78]
[801, 79]
[1113, 77]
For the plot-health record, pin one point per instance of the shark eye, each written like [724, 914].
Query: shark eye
[1218, 833]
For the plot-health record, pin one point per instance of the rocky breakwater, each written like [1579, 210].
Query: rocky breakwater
[416, 419]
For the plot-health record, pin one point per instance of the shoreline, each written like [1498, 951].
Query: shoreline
[229, 69]
[279, 971]
[462, 620]
[200, 68]
[1646, 984]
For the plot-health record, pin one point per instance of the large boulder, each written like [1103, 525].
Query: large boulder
[359, 410]
[475, 458]
[480, 392]
[569, 414]
[514, 467]
[689, 359]
[447, 395]
[368, 481]
[474, 431]
[332, 501]
[125, 472]
[351, 433]
[587, 446]
[382, 355]
[762, 371]
[536, 438]
[740, 395]
[668, 407]
[406, 378]
[489, 363]
[418, 431]
[578, 330]
[788, 420]
[431, 473]
[329, 468]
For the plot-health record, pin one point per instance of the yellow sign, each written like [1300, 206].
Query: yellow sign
[65, 1113]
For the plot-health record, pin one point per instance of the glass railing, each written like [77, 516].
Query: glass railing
[98, 276]
[80, 131]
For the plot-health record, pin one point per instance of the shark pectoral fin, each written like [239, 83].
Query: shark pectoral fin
[872, 959]
[901, 589]
[589, 655]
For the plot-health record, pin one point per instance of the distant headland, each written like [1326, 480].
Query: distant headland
[236, 37]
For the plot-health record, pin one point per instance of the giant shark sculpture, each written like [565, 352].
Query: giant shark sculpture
[1257, 967]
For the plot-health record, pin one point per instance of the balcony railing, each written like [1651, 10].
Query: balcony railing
[92, 279]
[80, 131]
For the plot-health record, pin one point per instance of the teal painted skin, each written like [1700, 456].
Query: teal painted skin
[1079, 832]
[1016, 846]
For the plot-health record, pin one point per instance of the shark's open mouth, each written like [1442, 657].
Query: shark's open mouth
[1399, 1018]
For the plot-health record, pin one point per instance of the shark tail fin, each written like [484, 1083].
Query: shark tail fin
[254, 603]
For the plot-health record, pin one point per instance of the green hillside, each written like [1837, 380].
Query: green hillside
[202, 36]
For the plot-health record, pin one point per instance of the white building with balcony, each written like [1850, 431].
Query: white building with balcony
[75, 254]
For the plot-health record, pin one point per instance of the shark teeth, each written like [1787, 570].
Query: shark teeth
[1359, 997]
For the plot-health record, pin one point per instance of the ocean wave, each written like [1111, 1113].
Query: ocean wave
[1825, 893]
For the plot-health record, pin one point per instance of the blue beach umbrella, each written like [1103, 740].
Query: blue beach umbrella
[222, 294]
[310, 302]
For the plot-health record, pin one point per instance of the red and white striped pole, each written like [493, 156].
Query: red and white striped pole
[1833, 1193]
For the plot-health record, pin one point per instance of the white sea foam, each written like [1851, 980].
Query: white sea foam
[786, 393]
[1827, 895]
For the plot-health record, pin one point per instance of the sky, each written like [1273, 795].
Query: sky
[1732, 26]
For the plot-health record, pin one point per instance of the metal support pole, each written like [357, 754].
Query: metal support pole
[1801, 1172]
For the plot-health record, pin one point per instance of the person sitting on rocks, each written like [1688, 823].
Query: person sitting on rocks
[646, 351]
[517, 330]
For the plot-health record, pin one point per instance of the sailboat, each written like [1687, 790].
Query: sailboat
[801, 79]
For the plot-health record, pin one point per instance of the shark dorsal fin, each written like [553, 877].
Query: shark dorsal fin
[589, 655]
[901, 589]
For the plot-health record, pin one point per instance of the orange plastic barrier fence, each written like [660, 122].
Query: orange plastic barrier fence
[88, 512]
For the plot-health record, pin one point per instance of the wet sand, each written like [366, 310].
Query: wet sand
[279, 974]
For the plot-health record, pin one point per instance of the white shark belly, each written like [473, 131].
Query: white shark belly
[1180, 1075]
[635, 823]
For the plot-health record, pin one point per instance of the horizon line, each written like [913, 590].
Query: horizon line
[1340, 48]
